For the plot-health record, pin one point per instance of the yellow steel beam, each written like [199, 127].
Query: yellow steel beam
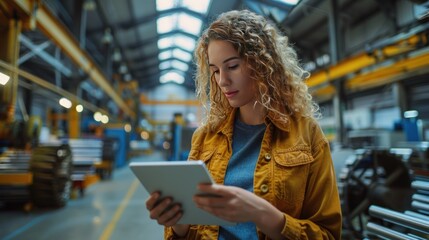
[173, 102]
[328, 90]
[16, 178]
[343, 68]
[144, 100]
[390, 73]
[59, 34]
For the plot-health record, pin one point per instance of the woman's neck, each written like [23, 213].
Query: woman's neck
[252, 115]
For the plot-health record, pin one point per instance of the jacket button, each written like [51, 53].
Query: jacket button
[267, 157]
[264, 188]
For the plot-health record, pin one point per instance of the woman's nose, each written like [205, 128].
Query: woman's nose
[223, 78]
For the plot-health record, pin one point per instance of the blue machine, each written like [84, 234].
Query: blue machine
[412, 129]
[122, 148]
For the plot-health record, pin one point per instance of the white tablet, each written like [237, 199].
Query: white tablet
[179, 180]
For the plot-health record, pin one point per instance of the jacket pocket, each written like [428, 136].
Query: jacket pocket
[290, 173]
[203, 155]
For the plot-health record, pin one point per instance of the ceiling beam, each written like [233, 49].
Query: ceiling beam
[38, 50]
[155, 55]
[143, 65]
[62, 37]
[282, 6]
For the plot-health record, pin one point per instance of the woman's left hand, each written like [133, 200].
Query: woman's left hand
[233, 204]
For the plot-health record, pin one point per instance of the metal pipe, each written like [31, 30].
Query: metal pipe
[386, 233]
[417, 215]
[421, 198]
[399, 218]
[420, 206]
[420, 185]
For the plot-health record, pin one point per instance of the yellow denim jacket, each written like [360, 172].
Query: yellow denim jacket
[294, 173]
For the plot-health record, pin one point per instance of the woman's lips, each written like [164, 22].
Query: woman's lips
[231, 94]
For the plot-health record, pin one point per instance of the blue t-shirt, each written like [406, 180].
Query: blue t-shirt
[246, 145]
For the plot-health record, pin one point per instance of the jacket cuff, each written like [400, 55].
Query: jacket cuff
[291, 229]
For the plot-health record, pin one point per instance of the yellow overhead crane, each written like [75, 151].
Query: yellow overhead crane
[363, 71]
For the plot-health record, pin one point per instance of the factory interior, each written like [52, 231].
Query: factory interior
[89, 86]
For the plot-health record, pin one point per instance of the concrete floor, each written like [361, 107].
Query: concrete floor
[110, 209]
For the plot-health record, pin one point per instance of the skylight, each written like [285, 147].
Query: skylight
[165, 43]
[166, 24]
[200, 6]
[184, 42]
[178, 40]
[164, 55]
[165, 65]
[188, 22]
[180, 65]
[179, 21]
[176, 64]
[172, 77]
[183, 55]
[290, 2]
[162, 5]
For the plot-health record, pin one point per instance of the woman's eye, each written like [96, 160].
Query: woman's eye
[233, 67]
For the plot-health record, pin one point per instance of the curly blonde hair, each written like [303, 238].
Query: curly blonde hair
[273, 65]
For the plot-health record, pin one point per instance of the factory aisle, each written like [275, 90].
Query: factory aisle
[111, 209]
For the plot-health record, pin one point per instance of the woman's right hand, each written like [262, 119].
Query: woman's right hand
[163, 210]
[166, 212]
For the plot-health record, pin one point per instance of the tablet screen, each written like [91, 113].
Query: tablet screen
[179, 180]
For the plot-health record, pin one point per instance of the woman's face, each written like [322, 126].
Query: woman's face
[231, 73]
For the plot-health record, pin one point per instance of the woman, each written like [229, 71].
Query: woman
[261, 143]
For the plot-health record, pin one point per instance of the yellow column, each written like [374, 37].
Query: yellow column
[74, 122]
[9, 52]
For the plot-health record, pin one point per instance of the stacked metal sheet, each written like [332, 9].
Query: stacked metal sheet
[12, 163]
[52, 167]
[86, 153]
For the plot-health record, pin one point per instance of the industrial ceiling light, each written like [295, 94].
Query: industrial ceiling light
[117, 56]
[104, 119]
[127, 127]
[98, 116]
[79, 108]
[411, 114]
[123, 68]
[65, 102]
[4, 78]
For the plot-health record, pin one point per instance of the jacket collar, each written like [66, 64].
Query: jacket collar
[272, 117]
